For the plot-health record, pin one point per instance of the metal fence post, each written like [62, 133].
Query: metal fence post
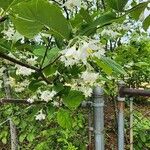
[98, 118]
[121, 123]
[131, 123]
[13, 132]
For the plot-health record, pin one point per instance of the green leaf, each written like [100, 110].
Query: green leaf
[105, 19]
[58, 87]
[30, 17]
[5, 46]
[109, 63]
[142, 137]
[146, 23]
[50, 70]
[52, 54]
[5, 4]
[22, 137]
[103, 66]
[73, 99]
[30, 137]
[4, 140]
[64, 119]
[85, 15]
[39, 51]
[34, 85]
[136, 11]
[117, 4]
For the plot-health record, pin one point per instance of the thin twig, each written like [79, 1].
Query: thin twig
[4, 56]
[19, 101]
[47, 47]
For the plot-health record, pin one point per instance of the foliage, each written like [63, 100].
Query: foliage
[141, 132]
[56, 52]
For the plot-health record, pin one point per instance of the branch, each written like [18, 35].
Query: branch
[47, 47]
[19, 101]
[4, 56]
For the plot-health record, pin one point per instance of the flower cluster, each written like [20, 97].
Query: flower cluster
[20, 70]
[47, 95]
[40, 116]
[79, 54]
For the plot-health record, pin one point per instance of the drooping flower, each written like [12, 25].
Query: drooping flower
[30, 100]
[32, 60]
[2, 70]
[89, 77]
[47, 95]
[40, 116]
[70, 4]
[8, 34]
[1, 82]
[23, 70]
[70, 56]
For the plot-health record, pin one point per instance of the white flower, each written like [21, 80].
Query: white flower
[89, 77]
[70, 56]
[17, 36]
[32, 60]
[70, 4]
[1, 82]
[47, 95]
[8, 34]
[55, 103]
[23, 70]
[1, 71]
[19, 89]
[110, 33]
[38, 39]
[87, 91]
[40, 116]
[11, 55]
[30, 100]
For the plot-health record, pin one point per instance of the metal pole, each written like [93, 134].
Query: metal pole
[131, 123]
[13, 133]
[98, 118]
[121, 123]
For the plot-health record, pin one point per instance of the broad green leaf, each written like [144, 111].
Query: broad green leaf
[49, 70]
[136, 11]
[5, 46]
[58, 87]
[5, 4]
[117, 4]
[39, 51]
[146, 23]
[52, 54]
[85, 15]
[73, 99]
[105, 19]
[30, 17]
[103, 66]
[64, 118]
[109, 63]
[34, 85]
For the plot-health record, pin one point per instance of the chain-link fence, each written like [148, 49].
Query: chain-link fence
[126, 121]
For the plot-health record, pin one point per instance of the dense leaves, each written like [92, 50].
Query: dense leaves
[30, 17]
